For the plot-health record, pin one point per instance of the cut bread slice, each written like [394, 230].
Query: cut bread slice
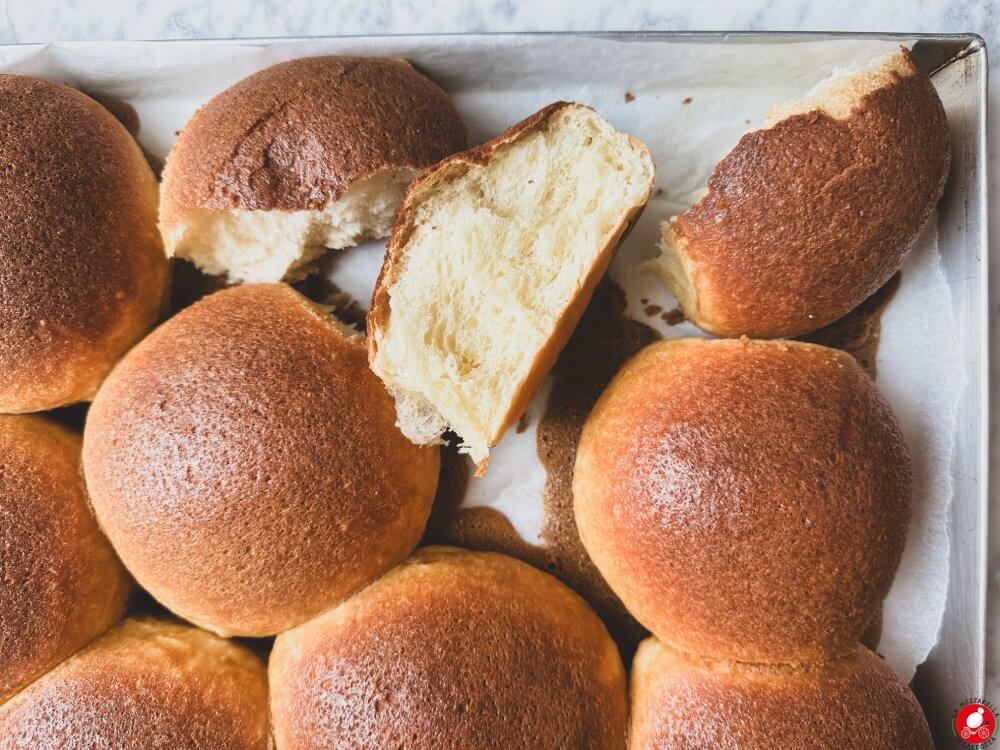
[808, 216]
[493, 258]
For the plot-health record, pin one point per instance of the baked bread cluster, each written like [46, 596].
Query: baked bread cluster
[256, 467]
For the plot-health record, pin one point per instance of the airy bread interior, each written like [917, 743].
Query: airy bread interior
[270, 246]
[496, 258]
[836, 96]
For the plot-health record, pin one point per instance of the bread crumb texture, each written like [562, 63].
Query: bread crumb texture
[491, 251]
[246, 246]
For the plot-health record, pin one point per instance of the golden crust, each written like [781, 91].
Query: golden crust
[808, 217]
[296, 135]
[61, 583]
[450, 170]
[245, 463]
[145, 684]
[82, 270]
[451, 649]
[854, 703]
[746, 500]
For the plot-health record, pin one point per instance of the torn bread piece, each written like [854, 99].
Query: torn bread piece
[807, 217]
[493, 258]
[302, 157]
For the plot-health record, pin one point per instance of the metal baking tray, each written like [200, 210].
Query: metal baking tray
[955, 669]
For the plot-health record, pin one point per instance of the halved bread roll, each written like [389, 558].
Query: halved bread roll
[493, 258]
[807, 217]
[304, 156]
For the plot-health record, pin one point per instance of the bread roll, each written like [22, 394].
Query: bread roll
[245, 463]
[853, 703]
[145, 685]
[493, 259]
[452, 649]
[60, 583]
[82, 271]
[303, 156]
[747, 500]
[809, 216]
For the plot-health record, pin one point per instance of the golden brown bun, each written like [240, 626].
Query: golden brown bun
[145, 685]
[60, 583]
[854, 703]
[451, 649]
[807, 218]
[294, 136]
[245, 463]
[82, 270]
[747, 500]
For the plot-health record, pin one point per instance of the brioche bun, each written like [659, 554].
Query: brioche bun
[145, 684]
[61, 583]
[302, 156]
[82, 271]
[244, 462]
[811, 215]
[451, 649]
[853, 703]
[492, 261]
[747, 500]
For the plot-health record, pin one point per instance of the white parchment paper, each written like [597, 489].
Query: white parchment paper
[690, 102]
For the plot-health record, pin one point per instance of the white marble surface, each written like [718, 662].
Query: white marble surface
[46, 20]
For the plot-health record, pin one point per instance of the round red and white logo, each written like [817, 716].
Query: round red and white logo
[975, 724]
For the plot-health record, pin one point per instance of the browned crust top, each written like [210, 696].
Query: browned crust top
[145, 684]
[246, 464]
[60, 583]
[806, 219]
[294, 136]
[854, 703]
[746, 500]
[82, 271]
[452, 649]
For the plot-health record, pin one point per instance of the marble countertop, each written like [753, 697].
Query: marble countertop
[48, 20]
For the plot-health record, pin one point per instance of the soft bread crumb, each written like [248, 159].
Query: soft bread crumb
[674, 269]
[497, 256]
[270, 246]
